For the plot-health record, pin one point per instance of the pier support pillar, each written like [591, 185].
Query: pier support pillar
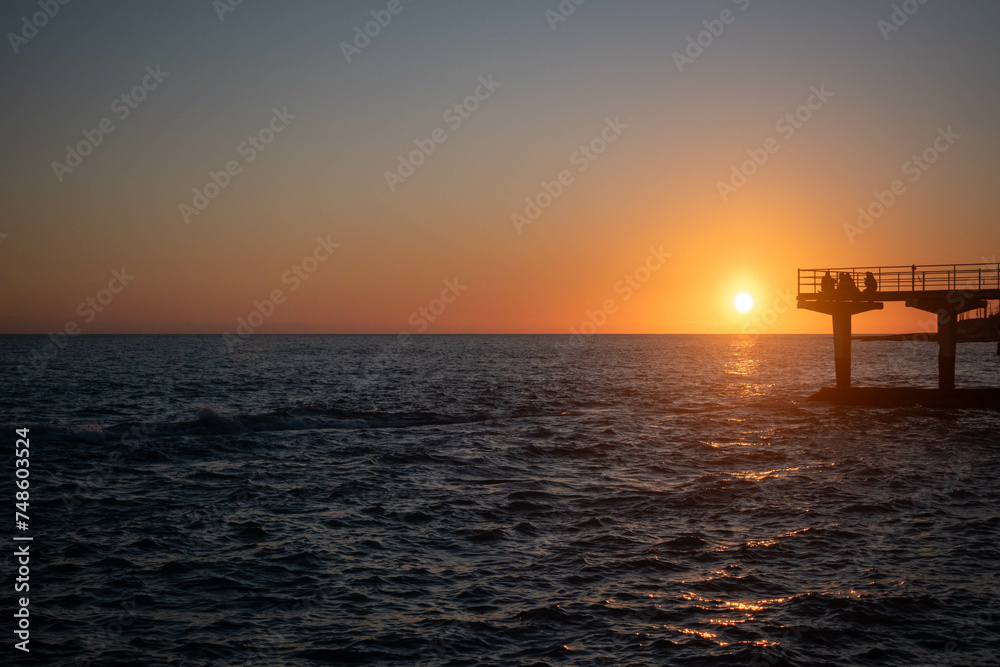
[842, 312]
[947, 311]
[842, 349]
[947, 338]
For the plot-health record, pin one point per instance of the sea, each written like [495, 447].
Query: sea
[496, 500]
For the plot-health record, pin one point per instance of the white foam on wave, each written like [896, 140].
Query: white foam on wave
[208, 417]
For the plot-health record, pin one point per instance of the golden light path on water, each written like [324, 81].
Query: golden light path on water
[744, 363]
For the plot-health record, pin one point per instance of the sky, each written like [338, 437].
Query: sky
[508, 166]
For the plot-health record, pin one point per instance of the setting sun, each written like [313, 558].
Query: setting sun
[743, 302]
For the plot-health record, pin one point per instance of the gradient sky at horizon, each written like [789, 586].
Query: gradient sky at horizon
[656, 185]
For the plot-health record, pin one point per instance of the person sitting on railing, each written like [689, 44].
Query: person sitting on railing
[827, 283]
[846, 284]
[871, 284]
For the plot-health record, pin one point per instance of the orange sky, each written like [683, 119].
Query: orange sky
[607, 76]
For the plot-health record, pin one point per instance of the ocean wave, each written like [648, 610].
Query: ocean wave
[210, 421]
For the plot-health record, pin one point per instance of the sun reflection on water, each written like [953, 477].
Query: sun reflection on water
[743, 367]
[745, 357]
[726, 614]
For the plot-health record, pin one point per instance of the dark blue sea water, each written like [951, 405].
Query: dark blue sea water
[507, 500]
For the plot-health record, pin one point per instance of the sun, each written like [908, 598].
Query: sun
[743, 302]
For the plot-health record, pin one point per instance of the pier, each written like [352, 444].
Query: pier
[946, 290]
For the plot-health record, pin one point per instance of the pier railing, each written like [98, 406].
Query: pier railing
[904, 279]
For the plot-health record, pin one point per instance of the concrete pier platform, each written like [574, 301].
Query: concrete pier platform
[946, 290]
[928, 397]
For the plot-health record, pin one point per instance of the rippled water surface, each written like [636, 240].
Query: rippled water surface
[479, 500]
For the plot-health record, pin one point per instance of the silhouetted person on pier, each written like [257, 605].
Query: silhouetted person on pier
[871, 284]
[846, 284]
[827, 283]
